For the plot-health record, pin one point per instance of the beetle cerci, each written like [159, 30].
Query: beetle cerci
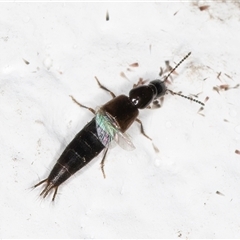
[109, 124]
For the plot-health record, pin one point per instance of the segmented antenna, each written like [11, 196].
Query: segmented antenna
[179, 94]
[176, 66]
[189, 98]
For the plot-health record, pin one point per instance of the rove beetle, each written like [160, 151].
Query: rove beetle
[109, 124]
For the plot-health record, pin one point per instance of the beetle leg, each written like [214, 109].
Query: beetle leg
[79, 104]
[102, 162]
[141, 128]
[104, 88]
[142, 131]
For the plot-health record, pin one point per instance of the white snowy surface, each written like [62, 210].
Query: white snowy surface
[190, 189]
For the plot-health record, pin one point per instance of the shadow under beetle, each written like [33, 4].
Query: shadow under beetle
[110, 123]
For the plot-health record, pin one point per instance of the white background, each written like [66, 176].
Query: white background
[172, 194]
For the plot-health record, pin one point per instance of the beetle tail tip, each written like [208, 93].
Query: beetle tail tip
[46, 190]
[41, 182]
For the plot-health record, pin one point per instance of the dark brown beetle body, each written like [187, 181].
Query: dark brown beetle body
[86, 145]
[119, 113]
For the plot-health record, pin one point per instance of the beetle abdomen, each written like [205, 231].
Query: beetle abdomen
[80, 151]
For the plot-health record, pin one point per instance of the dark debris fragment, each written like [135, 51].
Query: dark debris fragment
[205, 7]
[107, 16]
[27, 62]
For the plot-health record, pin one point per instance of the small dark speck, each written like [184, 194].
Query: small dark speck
[175, 13]
[122, 74]
[134, 65]
[224, 87]
[237, 86]
[206, 99]
[227, 75]
[107, 16]
[237, 151]
[202, 8]
[26, 61]
[219, 193]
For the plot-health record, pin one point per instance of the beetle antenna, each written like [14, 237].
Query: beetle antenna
[189, 98]
[179, 94]
[176, 66]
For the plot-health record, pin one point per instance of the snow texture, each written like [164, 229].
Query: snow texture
[190, 189]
